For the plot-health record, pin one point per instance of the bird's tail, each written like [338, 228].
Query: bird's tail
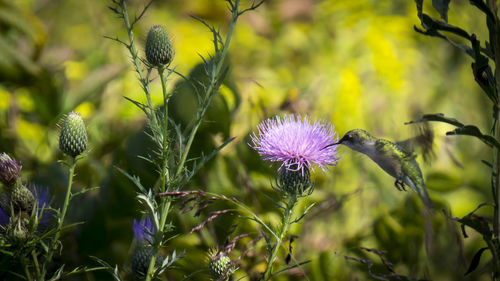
[424, 195]
[419, 187]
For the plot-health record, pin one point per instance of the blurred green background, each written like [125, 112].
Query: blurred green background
[357, 64]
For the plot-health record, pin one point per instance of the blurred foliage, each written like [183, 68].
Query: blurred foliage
[358, 64]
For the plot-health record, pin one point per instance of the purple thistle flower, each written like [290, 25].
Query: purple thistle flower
[42, 197]
[10, 170]
[143, 230]
[4, 219]
[296, 143]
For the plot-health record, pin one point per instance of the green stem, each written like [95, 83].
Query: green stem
[137, 62]
[285, 224]
[35, 261]
[165, 203]
[163, 220]
[495, 248]
[60, 220]
[166, 97]
[26, 269]
[212, 88]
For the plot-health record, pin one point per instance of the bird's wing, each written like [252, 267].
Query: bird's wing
[423, 141]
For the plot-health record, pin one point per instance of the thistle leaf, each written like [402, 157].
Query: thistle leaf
[475, 261]
[442, 6]
[469, 130]
[420, 4]
[134, 179]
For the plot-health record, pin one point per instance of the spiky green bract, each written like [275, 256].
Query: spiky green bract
[21, 197]
[73, 138]
[294, 181]
[158, 48]
[220, 266]
[141, 259]
[10, 170]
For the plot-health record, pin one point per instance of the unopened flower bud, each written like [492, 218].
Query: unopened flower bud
[73, 138]
[158, 48]
[10, 170]
[141, 259]
[220, 266]
[18, 231]
[21, 197]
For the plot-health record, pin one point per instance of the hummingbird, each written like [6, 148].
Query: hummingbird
[395, 158]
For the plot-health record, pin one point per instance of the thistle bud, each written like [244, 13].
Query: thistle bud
[10, 170]
[158, 48]
[141, 259]
[73, 137]
[17, 230]
[294, 181]
[220, 266]
[21, 197]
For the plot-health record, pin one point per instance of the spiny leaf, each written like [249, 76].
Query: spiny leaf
[462, 129]
[205, 159]
[435, 33]
[475, 260]
[420, 4]
[291, 267]
[477, 223]
[110, 269]
[268, 243]
[439, 117]
[134, 179]
[431, 23]
[85, 190]
[470, 130]
[304, 213]
[57, 274]
[141, 106]
[487, 164]
[442, 6]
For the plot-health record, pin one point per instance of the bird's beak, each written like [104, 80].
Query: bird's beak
[337, 143]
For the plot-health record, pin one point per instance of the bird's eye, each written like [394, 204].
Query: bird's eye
[346, 138]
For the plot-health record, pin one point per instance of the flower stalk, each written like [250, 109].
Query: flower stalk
[136, 60]
[285, 225]
[60, 219]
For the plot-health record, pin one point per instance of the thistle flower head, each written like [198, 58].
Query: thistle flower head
[73, 138]
[220, 266]
[143, 231]
[158, 48]
[295, 142]
[141, 259]
[10, 170]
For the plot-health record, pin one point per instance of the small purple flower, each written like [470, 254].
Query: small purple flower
[4, 219]
[143, 231]
[296, 143]
[10, 170]
[42, 197]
